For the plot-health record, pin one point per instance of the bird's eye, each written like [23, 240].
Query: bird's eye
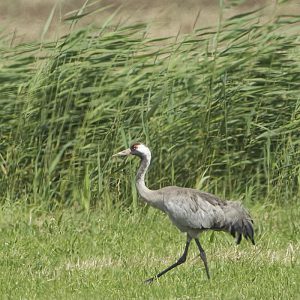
[134, 147]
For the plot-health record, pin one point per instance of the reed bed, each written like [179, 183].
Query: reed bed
[218, 107]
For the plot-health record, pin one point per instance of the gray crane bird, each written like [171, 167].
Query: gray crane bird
[192, 211]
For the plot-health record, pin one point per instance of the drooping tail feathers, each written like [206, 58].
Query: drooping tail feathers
[238, 221]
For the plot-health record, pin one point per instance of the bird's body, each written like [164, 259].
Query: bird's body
[191, 211]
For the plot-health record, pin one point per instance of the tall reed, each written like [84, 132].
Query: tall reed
[219, 109]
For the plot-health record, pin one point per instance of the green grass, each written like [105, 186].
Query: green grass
[219, 109]
[71, 255]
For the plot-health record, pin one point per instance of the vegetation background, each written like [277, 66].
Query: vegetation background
[212, 88]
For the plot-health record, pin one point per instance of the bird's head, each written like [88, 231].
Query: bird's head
[137, 149]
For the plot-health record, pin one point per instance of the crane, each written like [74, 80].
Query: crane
[190, 210]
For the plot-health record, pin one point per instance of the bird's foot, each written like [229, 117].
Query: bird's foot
[149, 281]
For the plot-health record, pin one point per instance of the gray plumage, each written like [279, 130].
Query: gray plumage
[191, 211]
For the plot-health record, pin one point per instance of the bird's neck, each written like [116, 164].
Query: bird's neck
[149, 196]
[140, 177]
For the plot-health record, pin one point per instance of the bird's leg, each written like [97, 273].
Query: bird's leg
[203, 257]
[180, 261]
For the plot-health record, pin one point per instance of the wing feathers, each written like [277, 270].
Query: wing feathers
[192, 210]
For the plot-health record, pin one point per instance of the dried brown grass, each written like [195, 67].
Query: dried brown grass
[27, 18]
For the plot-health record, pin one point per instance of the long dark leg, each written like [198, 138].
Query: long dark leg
[180, 261]
[203, 257]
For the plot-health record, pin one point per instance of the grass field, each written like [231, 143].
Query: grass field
[167, 17]
[220, 110]
[71, 255]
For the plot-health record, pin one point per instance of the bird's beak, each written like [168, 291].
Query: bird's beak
[123, 153]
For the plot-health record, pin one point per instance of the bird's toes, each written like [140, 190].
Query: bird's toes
[149, 281]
